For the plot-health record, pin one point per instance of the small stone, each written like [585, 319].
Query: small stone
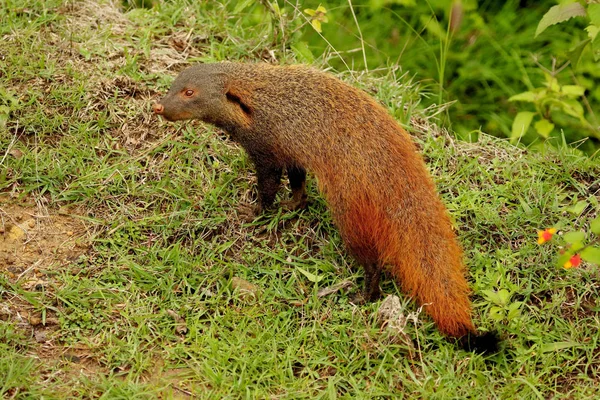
[35, 320]
[40, 336]
[246, 289]
[16, 153]
[15, 233]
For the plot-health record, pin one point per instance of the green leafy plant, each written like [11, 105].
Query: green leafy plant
[578, 245]
[563, 12]
[549, 100]
[503, 308]
[317, 17]
[554, 101]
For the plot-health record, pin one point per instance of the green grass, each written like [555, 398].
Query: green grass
[149, 309]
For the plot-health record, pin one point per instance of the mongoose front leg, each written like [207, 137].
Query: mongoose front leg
[297, 177]
[269, 181]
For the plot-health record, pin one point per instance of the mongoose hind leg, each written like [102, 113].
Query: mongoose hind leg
[372, 276]
[371, 290]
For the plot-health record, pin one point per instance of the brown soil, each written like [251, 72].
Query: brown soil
[36, 242]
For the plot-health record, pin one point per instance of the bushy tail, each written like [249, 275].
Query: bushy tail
[429, 267]
[422, 253]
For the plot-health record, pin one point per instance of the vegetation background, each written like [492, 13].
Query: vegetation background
[129, 268]
[474, 56]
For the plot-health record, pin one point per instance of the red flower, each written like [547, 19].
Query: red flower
[545, 235]
[573, 262]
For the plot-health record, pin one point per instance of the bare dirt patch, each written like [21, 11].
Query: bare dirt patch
[35, 243]
[34, 240]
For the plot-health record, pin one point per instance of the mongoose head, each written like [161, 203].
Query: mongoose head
[202, 92]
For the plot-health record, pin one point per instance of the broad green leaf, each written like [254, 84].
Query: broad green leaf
[573, 108]
[556, 346]
[592, 31]
[504, 296]
[311, 277]
[552, 83]
[3, 120]
[576, 246]
[573, 90]
[596, 50]
[520, 125]
[593, 12]
[578, 207]
[575, 53]
[558, 14]
[8, 98]
[543, 127]
[496, 313]
[317, 25]
[469, 5]
[87, 55]
[492, 296]
[574, 237]
[514, 309]
[591, 254]
[303, 52]
[525, 96]
[595, 226]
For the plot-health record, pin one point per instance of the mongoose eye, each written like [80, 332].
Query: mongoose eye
[189, 93]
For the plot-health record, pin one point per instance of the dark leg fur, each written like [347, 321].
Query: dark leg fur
[269, 181]
[297, 177]
[372, 275]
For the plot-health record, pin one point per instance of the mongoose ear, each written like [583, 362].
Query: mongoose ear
[239, 98]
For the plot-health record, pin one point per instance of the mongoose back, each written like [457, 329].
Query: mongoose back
[377, 187]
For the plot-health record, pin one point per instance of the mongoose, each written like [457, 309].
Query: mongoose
[377, 187]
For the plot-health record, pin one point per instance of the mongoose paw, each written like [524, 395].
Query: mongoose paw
[249, 212]
[294, 205]
[358, 298]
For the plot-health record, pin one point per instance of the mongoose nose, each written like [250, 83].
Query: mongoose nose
[158, 108]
